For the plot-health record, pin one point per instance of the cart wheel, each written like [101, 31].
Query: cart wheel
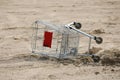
[96, 59]
[77, 25]
[99, 40]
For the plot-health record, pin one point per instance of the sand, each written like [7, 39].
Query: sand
[98, 17]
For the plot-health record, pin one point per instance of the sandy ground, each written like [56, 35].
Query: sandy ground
[16, 17]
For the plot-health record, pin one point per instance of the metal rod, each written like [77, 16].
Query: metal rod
[89, 46]
[36, 28]
[81, 32]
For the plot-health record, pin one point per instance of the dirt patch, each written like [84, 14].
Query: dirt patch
[65, 61]
[96, 73]
[26, 57]
[20, 38]
[98, 31]
[110, 57]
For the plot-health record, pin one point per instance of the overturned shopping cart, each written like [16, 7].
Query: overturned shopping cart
[58, 41]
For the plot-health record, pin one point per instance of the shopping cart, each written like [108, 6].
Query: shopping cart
[60, 41]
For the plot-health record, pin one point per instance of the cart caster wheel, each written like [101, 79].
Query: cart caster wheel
[96, 59]
[98, 40]
[77, 25]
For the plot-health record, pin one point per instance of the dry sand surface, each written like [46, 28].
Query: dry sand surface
[98, 17]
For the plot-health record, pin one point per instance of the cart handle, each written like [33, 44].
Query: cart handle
[77, 26]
